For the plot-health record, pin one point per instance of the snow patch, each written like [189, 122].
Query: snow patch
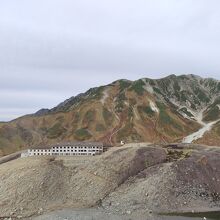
[200, 133]
[153, 107]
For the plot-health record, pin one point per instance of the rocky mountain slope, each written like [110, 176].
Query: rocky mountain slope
[135, 180]
[172, 109]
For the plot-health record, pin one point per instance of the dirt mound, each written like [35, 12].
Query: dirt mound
[35, 185]
[123, 180]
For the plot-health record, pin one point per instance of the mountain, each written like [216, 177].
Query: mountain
[182, 108]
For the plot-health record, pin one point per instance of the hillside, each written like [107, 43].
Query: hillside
[158, 111]
[136, 179]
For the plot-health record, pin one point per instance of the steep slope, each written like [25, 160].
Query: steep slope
[162, 110]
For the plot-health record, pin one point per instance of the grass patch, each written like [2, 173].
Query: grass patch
[82, 134]
[55, 131]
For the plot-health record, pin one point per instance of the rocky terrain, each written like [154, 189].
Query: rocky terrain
[173, 109]
[134, 180]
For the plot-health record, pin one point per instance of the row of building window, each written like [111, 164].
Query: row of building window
[58, 151]
[63, 154]
[77, 147]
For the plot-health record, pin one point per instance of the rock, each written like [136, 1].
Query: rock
[128, 212]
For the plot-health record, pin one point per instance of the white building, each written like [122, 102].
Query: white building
[66, 149]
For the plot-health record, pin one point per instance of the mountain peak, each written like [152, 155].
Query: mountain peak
[161, 110]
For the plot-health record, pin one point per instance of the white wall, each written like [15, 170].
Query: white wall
[67, 151]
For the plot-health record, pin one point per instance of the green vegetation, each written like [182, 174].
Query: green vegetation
[96, 93]
[55, 131]
[137, 86]
[175, 155]
[124, 84]
[82, 134]
[213, 114]
[165, 118]
[121, 98]
[89, 116]
[147, 110]
[157, 90]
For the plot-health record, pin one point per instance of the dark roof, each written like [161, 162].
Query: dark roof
[41, 147]
[69, 144]
[81, 144]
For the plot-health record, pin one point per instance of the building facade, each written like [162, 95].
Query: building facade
[67, 149]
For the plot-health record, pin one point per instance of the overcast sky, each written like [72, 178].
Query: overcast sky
[53, 49]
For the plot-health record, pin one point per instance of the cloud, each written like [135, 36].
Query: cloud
[53, 49]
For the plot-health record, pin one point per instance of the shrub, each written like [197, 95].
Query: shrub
[213, 114]
[137, 86]
[124, 84]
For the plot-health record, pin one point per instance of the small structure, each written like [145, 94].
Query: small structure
[122, 143]
[66, 149]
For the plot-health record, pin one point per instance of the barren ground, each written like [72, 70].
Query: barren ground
[135, 180]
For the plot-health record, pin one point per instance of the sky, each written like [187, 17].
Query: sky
[51, 50]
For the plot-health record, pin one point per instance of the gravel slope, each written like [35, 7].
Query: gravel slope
[134, 180]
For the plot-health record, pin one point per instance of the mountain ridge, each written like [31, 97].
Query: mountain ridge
[153, 110]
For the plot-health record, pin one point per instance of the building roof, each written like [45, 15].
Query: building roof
[81, 144]
[69, 144]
